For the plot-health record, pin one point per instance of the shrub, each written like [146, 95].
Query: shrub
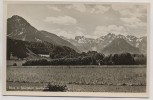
[56, 88]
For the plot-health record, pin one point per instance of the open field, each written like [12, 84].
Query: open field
[78, 78]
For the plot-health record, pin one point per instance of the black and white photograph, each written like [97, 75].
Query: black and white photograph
[77, 48]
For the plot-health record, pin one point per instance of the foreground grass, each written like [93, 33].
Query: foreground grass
[129, 79]
[19, 86]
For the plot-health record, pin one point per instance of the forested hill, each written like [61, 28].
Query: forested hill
[24, 49]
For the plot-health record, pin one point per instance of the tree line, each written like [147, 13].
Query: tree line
[93, 58]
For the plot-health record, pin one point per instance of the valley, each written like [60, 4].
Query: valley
[27, 42]
[38, 60]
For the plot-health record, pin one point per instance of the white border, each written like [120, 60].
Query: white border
[69, 93]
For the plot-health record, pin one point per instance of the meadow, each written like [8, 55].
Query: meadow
[119, 78]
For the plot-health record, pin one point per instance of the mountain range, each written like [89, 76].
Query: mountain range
[88, 44]
[19, 30]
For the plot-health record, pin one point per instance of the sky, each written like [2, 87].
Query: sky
[90, 20]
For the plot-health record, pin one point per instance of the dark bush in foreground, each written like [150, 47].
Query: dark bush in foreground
[55, 88]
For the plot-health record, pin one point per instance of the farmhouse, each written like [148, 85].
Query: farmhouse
[43, 55]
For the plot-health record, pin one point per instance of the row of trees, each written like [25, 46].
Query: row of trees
[93, 58]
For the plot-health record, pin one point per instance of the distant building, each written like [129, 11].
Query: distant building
[43, 55]
[13, 57]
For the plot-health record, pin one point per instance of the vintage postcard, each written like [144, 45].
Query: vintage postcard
[76, 49]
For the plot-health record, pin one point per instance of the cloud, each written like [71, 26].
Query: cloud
[131, 10]
[133, 22]
[99, 9]
[132, 16]
[80, 28]
[61, 32]
[104, 30]
[118, 7]
[53, 8]
[62, 20]
[78, 7]
[90, 9]
[71, 34]
[67, 33]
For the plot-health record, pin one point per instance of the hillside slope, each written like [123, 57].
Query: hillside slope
[18, 28]
[26, 49]
[119, 45]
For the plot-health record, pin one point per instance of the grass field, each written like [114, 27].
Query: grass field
[78, 78]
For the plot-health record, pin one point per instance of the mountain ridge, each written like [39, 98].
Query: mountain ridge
[101, 42]
[18, 28]
[118, 46]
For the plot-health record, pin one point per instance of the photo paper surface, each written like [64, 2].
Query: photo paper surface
[76, 49]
